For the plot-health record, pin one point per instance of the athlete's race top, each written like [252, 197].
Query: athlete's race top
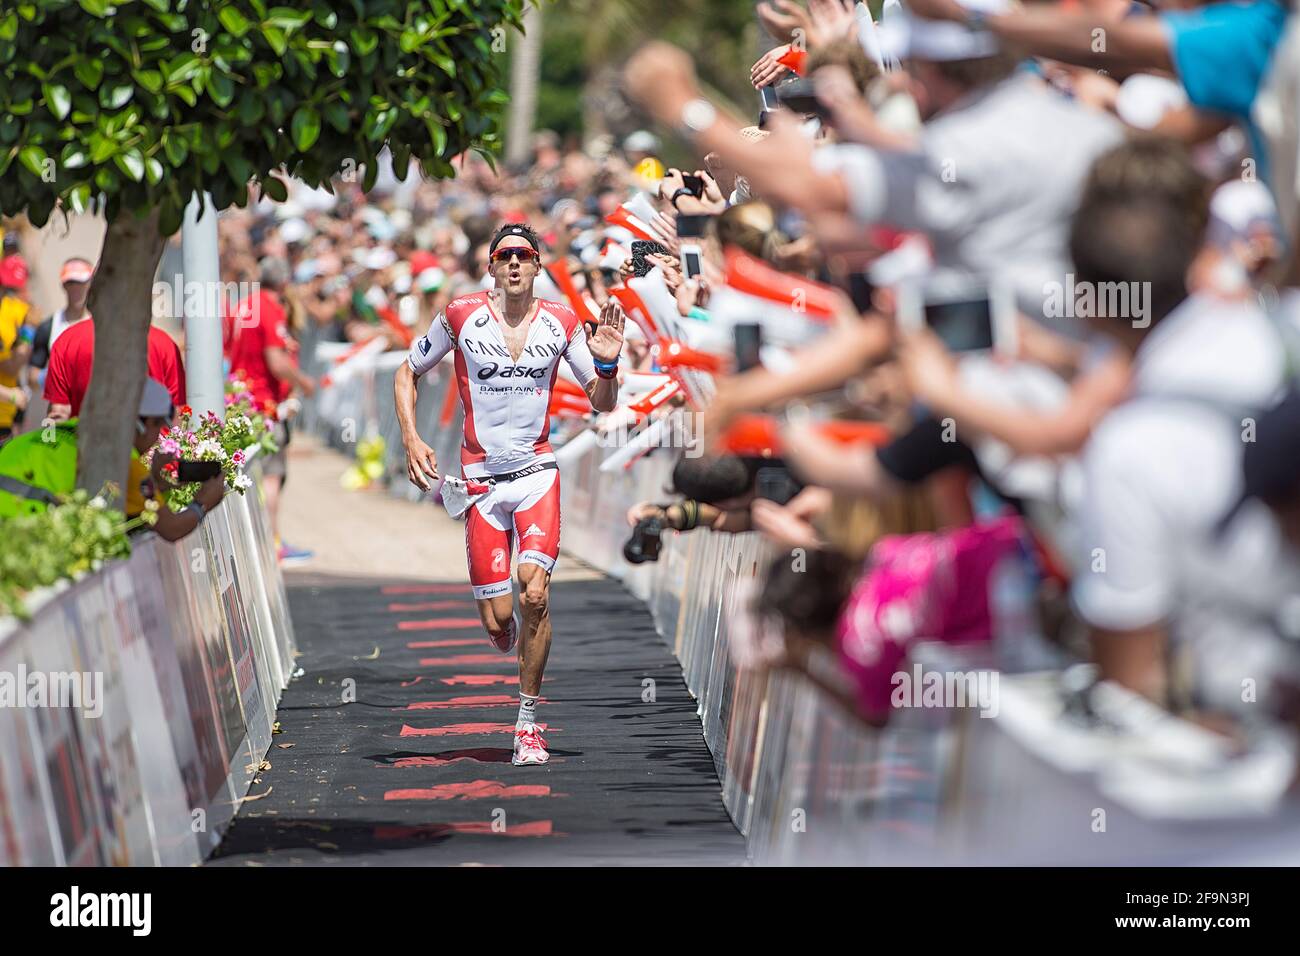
[506, 422]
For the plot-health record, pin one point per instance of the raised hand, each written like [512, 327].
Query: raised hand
[606, 342]
[831, 20]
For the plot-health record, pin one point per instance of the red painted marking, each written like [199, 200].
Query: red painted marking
[411, 683]
[477, 680]
[453, 642]
[477, 754]
[465, 730]
[425, 589]
[537, 828]
[398, 608]
[439, 624]
[484, 700]
[466, 659]
[472, 790]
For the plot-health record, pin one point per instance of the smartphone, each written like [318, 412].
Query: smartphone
[748, 344]
[640, 249]
[688, 228]
[774, 483]
[188, 471]
[800, 95]
[692, 226]
[767, 96]
[979, 318]
[692, 259]
[694, 183]
[861, 290]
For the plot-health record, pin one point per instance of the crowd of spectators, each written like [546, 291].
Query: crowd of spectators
[1042, 259]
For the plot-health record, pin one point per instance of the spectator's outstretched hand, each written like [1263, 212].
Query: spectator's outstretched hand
[643, 509]
[211, 492]
[781, 18]
[661, 77]
[928, 367]
[782, 525]
[767, 69]
[690, 293]
[671, 269]
[831, 19]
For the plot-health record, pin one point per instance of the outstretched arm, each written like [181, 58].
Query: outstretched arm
[1121, 46]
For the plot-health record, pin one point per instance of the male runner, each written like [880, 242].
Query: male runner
[507, 349]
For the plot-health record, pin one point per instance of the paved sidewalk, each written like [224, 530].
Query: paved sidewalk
[395, 744]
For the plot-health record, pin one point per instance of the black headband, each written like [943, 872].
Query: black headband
[513, 230]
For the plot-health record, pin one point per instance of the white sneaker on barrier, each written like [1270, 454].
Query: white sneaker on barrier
[505, 641]
[530, 748]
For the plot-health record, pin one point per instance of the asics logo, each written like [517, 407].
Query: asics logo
[534, 532]
[510, 371]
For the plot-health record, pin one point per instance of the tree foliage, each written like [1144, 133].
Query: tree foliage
[142, 103]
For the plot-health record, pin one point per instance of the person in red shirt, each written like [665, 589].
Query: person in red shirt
[258, 348]
[72, 358]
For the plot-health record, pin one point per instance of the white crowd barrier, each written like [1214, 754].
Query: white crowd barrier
[189, 646]
[808, 784]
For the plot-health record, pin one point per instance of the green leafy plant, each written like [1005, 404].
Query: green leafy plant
[60, 543]
[135, 106]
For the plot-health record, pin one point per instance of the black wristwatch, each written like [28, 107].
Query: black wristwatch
[683, 191]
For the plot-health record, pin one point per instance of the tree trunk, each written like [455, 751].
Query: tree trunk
[525, 75]
[121, 301]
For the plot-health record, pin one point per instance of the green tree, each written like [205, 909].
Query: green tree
[135, 106]
[585, 42]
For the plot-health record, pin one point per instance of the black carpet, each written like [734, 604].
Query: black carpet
[416, 770]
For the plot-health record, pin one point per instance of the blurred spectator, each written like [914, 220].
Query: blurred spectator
[16, 334]
[75, 278]
[258, 348]
[1165, 591]
[72, 359]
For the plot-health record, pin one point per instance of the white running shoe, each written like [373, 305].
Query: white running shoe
[505, 642]
[530, 748]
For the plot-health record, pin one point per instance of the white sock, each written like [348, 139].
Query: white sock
[527, 710]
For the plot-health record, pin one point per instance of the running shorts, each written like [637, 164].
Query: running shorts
[522, 515]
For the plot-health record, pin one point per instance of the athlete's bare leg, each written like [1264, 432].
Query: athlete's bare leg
[495, 612]
[535, 639]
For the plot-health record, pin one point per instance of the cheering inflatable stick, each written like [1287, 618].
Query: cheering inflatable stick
[757, 435]
[753, 276]
[637, 312]
[559, 272]
[349, 361]
[404, 334]
[677, 355]
[634, 216]
[655, 398]
[568, 397]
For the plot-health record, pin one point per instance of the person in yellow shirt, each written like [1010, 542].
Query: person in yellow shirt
[15, 348]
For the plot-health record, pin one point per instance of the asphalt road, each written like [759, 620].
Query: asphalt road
[395, 744]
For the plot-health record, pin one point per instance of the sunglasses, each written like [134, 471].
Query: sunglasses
[525, 254]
